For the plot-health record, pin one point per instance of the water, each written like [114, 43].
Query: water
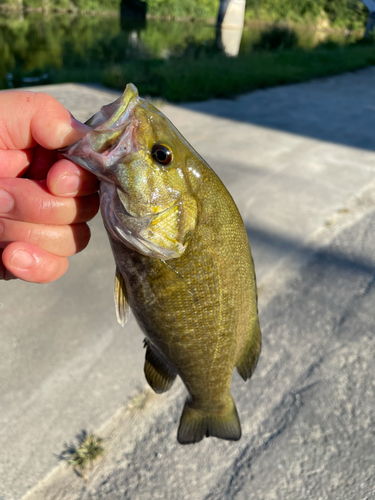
[34, 48]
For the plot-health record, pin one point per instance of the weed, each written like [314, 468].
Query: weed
[83, 456]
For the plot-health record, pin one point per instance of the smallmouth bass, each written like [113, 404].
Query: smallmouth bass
[183, 261]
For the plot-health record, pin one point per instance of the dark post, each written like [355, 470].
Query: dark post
[133, 10]
[370, 25]
[222, 10]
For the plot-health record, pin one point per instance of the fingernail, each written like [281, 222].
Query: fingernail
[71, 132]
[22, 259]
[68, 184]
[6, 202]
[79, 127]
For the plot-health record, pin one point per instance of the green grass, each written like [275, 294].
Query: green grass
[214, 75]
[81, 457]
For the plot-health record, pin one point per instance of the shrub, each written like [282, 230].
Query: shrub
[277, 38]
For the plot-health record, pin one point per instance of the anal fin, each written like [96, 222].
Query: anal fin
[157, 373]
[249, 359]
[196, 423]
[121, 299]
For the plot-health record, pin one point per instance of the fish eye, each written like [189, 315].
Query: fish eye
[162, 154]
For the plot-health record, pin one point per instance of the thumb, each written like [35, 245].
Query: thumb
[30, 118]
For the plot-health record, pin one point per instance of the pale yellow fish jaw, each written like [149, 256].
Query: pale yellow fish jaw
[111, 138]
[111, 113]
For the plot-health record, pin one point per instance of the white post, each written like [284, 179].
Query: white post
[230, 21]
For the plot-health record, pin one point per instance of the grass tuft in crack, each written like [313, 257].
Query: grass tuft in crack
[81, 457]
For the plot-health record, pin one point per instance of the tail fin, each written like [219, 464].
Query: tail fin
[197, 423]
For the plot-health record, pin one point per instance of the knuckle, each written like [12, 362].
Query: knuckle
[45, 206]
[33, 234]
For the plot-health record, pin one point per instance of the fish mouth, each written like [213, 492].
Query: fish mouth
[111, 139]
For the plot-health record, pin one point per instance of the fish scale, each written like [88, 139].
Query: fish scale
[183, 261]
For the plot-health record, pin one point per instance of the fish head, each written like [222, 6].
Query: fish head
[142, 162]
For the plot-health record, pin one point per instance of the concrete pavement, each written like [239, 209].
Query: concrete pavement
[300, 163]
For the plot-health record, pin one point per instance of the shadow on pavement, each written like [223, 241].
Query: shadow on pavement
[265, 245]
[335, 109]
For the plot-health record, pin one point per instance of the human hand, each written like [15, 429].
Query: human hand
[45, 202]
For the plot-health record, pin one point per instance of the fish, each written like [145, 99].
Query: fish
[183, 260]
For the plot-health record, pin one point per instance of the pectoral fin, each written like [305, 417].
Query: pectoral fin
[176, 279]
[249, 359]
[121, 300]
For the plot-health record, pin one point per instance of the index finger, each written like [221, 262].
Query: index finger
[30, 201]
[30, 118]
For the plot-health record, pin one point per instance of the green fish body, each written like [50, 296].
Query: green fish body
[183, 261]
